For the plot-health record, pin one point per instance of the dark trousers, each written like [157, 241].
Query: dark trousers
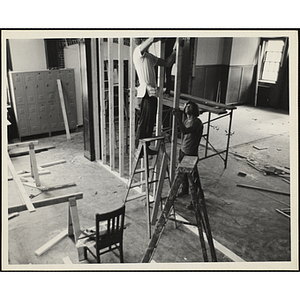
[146, 119]
[185, 181]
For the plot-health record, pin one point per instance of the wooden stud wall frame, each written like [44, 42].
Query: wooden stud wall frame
[114, 103]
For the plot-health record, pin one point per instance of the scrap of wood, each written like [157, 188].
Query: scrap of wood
[63, 107]
[260, 148]
[263, 189]
[238, 155]
[283, 213]
[20, 145]
[51, 243]
[286, 180]
[46, 202]
[33, 165]
[49, 164]
[67, 260]
[37, 150]
[24, 196]
[32, 185]
[10, 216]
[253, 166]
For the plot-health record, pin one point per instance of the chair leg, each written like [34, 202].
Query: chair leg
[85, 252]
[121, 253]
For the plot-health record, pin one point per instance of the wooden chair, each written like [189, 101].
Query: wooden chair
[107, 235]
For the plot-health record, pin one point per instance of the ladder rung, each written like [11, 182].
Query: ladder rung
[134, 197]
[137, 184]
[142, 170]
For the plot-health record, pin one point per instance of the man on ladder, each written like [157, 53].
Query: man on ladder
[144, 63]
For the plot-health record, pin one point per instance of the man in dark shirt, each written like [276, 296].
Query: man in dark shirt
[191, 129]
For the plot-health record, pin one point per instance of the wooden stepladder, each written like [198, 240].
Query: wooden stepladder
[151, 180]
[187, 166]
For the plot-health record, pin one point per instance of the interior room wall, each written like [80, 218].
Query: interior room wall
[210, 51]
[242, 70]
[226, 62]
[28, 54]
[210, 68]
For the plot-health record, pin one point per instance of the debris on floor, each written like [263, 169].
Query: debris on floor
[242, 174]
[285, 212]
[260, 148]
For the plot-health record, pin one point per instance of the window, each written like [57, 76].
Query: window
[271, 60]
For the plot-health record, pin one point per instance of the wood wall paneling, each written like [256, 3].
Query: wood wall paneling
[240, 85]
[205, 83]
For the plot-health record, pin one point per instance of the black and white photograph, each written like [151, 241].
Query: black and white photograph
[150, 150]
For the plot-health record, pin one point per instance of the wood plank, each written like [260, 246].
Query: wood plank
[37, 150]
[58, 186]
[21, 145]
[63, 107]
[50, 164]
[206, 102]
[161, 180]
[257, 75]
[206, 108]
[74, 225]
[121, 105]
[33, 166]
[102, 102]
[46, 202]
[51, 243]
[67, 260]
[176, 106]
[161, 80]
[24, 196]
[263, 189]
[10, 216]
[111, 105]
[131, 107]
[45, 172]
[95, 98]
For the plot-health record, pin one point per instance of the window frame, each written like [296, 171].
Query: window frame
[264, 42]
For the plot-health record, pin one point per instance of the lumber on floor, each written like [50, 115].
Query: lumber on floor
[37, 150]
[45, 202]
[263, 189]
[24, 196]
[20, 145]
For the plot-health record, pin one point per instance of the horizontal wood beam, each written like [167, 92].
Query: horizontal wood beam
[45, 202]
[36, 150]
[21, 145]
[206, 102]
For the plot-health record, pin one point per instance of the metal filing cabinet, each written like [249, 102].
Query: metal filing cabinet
[36, 101]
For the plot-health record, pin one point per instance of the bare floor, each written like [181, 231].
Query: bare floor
[243, 221]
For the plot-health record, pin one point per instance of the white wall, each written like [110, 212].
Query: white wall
[244, 51]
[210, 51]
[28, 54]
[72, 61]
